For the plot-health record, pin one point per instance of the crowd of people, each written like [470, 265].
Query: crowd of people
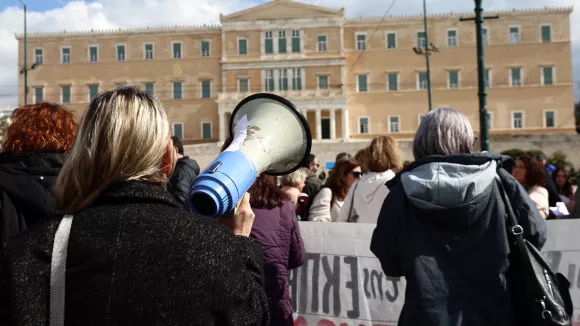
[111, 193]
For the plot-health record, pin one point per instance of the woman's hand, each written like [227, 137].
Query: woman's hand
[243, 219]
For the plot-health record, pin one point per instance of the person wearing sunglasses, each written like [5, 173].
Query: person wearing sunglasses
[380, 161]
[327, 204]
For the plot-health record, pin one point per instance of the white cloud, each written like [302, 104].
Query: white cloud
[107, 14]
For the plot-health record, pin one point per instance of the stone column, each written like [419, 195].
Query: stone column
[222, 122]
[318, 124]
[332, 124]
[345, 125]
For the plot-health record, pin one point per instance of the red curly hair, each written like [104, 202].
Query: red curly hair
[40, 128]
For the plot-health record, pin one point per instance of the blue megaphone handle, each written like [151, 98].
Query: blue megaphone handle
[220, 187]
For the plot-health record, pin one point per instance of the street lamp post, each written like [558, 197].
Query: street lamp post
[25, 69]
[427, 60]
[482, 92]
[428, 49]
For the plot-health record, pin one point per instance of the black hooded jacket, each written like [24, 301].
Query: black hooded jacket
[26, 191]
[443, 227]
[186, 170]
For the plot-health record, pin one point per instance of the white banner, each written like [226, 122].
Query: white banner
[342, 282]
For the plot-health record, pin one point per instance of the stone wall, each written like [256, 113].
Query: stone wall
[326, 151]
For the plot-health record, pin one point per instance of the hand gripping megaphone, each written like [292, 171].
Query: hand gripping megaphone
[269, 136]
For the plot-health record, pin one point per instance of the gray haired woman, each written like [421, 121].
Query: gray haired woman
[443, 227]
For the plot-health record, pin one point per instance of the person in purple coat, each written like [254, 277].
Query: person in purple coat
[277, 231]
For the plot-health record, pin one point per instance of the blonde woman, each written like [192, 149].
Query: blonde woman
[292, 185]
[134, 257]
[380, 161]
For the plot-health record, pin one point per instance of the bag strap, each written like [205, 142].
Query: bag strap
[58, 271]
[349, 220]
[516, 233]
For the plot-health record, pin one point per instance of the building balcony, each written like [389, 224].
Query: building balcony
[292, 95]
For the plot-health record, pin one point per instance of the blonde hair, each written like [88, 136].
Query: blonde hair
[123, 135]
[383, 155]
[295, 178]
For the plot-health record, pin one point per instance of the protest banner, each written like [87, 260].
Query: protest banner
[342, 282]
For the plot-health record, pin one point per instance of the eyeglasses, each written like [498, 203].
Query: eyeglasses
[356, 175]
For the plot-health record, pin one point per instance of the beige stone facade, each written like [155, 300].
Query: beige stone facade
[351, 78]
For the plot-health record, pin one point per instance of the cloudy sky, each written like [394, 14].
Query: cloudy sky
[58, 15]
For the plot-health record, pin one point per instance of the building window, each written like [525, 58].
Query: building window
[393, 81]
[282, 43]
[205, 49]
[391, 40]
[176, 50]
[487, 77]
[177, 90]
[65, 53]
[178, 130]
[453, 79]
[269, 82]
[451, 38]
[149, 51]
[206, 130]
[361, 83]
[65, 94]
[283, 80]
[361, 42]
[421, 117]
[268, 42]
[322, 45]
[323, 82]
[93, 53]
[243, 85]
[242, 46]
[547, 75]
[205, 89]
[93, 92]
[549, 119]
[363, 125]
[422, 81]
[394, 124]
[38, 94]
[421, 40]
[514, 35]
[516, 76]
[295, 41]
[517, 120]
[38, 56]
[546, 31]
[296, 79]
[121, 52]
[150, 88]
[489, 120]
[485, 36]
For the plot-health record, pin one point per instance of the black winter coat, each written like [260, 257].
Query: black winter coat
[26, 191]
[135, 257]
[443, 227]
[186, 170]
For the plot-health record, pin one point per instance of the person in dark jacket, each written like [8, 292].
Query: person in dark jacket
[443, 227]
[35, 148]
[313, 183]
[277, 231]
[133, 255]
[553, 195]
[185, 171]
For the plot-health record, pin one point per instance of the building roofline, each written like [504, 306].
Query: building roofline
[217, 27]
[126, 31]
[531, 11]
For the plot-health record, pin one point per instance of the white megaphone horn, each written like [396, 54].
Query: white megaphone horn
[269, 136]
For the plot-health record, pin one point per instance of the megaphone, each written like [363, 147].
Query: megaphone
[269, 136]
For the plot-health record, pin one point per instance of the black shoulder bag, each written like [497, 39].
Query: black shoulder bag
[541, 297]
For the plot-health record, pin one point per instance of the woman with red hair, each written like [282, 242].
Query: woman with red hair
[34, 147]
